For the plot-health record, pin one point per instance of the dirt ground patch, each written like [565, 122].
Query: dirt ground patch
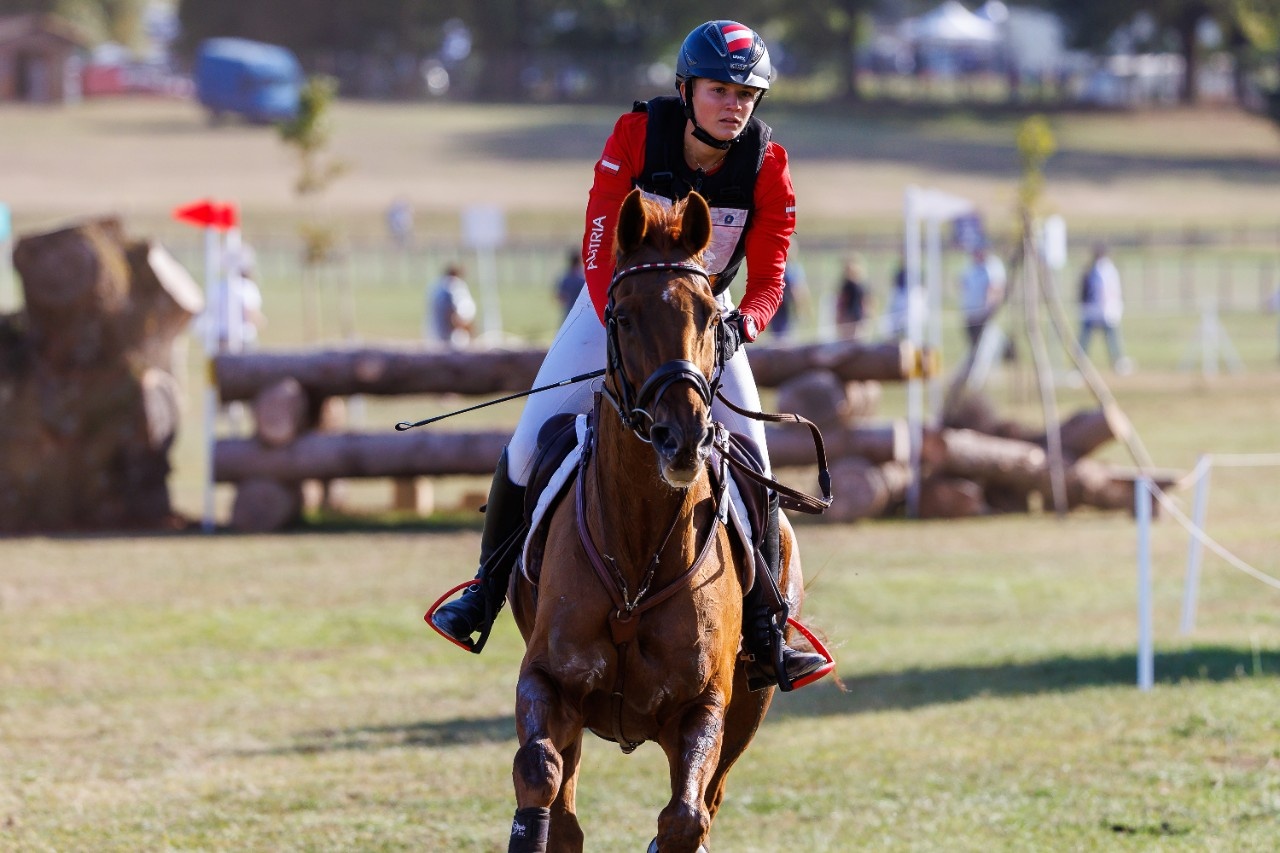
[143, 157]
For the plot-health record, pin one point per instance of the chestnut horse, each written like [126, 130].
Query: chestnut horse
[633, 628]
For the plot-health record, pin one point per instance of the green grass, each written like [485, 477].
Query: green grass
[280, 692]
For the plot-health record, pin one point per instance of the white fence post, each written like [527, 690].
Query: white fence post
[1195, 549]
[1146, 654]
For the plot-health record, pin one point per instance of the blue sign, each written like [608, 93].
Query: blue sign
[6, 225]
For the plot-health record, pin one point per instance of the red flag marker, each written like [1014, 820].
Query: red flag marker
[208, 214]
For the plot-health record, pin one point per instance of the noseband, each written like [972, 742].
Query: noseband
[634, 407]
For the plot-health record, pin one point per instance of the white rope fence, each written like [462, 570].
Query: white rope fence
[1143, 493]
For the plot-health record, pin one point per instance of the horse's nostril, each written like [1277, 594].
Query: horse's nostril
[665, 439]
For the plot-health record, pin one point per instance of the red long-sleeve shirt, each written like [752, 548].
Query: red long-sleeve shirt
[767, 236]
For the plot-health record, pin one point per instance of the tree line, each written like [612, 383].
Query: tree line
[506, 37]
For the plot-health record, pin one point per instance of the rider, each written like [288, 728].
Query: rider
[705, 139]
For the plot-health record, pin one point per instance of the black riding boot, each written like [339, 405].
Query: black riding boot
[764, 621]
[504, 530]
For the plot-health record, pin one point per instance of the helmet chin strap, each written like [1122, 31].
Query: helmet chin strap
[707, 139]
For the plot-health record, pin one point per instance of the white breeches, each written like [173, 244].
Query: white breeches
[579, 347]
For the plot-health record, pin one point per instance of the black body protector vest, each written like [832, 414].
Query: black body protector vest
[730, 192]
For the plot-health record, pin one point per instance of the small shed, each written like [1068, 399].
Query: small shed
[40, 59]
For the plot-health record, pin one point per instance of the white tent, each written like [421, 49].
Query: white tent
[950, 24]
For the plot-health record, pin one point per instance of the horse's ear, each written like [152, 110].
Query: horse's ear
[695, 226]
[632, 224]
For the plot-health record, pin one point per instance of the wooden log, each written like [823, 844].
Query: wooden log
[343, 372]
[264, 505]
[827, 400]
[818, 395]
[388, 371]
[848, 360]
[863, 397]
[75, 284]
[793, 445]
[413, 494]
[1096, 484]
[281, 412]
[1083, 433]
[988, 459]
[85, 379]
[322, 456]
[161, 406]
[1016, 467]
[164, 298]
[951, 497]
[865, 490]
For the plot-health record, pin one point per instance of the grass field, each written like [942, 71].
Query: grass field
[262, 693]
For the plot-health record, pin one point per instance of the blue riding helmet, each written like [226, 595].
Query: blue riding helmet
[726, 51]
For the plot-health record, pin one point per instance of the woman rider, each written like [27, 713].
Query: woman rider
[706, 139]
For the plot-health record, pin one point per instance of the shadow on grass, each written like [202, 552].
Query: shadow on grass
[315, 523]
[431, 735]
[916, 688]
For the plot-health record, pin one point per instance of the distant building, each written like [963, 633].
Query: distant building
[40, 59]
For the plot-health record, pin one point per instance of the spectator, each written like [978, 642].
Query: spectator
[400, 222]
[895, 317]
[452, 310]
[852, 300]
[981, 292]
[795, 298]
[571, 281]
[233, 315]
[1102, 307]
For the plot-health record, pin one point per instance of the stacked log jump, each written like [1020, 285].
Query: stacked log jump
[964, 471]
[89, 405]
[287, 392]
[975, 464]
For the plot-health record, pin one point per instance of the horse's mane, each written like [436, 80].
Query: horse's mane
[665, 230]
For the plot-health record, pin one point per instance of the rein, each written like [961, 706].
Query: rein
[790, 498]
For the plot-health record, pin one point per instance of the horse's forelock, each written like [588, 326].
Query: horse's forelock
[665, 227]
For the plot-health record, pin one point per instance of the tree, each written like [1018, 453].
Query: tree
[308, 134]
[1092, 23]
[827, 31]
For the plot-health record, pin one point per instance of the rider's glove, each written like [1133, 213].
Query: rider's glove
[733, 334]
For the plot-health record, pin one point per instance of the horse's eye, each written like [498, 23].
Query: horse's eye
[623, 321]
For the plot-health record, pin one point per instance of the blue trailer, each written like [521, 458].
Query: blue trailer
[258, 81]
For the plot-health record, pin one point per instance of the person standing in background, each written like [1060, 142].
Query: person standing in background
[400, 222]
[795, 299]
[981, 292]
[1102, 307]
[852, 300]
[894, 321]
[570, 283]
[452, 309]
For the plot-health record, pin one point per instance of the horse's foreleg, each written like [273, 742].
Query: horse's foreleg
[566, 833]
[693, 752]
[742, 719]
[539, 768]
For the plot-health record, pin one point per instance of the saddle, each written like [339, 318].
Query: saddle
[555, 466]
